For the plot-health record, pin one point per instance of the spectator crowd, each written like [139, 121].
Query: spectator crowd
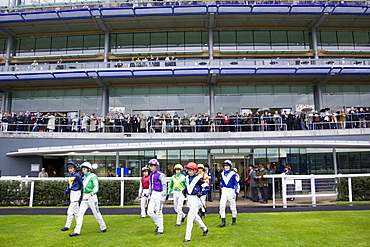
[165, 122]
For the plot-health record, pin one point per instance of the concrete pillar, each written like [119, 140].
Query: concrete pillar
[314, 43]
[106, 46]
[105, 100]
[317, 96]
[3, 100]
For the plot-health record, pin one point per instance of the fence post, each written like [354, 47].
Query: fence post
[350, 189]
[273, 193]
[313, 190]
[31, 193]
[283, 191]
[122, 192]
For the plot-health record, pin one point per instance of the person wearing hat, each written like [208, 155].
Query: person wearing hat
[74, 187]
[157, 195]
[204, 176]
[144, 190]
[89, 199]
[229, 184]
[211, 181]
[195, 188]
[176, 186]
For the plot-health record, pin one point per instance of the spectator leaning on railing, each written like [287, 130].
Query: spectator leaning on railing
[166, 123]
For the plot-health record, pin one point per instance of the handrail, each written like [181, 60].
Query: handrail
[52, 5]
[191, 63]
[313, 178]
[283, 177]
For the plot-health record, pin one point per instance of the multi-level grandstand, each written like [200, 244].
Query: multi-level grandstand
[280, 82]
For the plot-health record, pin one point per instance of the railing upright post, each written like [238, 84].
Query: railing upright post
[283, 191]
[122, 192]
[313, 190]
[350, 189]
[273, 193]
[31, 193]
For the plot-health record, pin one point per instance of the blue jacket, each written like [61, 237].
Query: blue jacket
[200, 186]
[229, 179]
[74, 182]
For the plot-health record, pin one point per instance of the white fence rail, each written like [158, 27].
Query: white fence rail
[295, 186]
[292, 186]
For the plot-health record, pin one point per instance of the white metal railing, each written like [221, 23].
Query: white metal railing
[191, 63]
[298, 192]
[9, 6]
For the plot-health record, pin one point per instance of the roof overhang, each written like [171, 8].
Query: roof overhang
[190, 144]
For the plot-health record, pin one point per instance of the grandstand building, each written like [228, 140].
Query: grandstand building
[189, 57]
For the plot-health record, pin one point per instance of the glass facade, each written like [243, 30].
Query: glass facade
[343, 40]
[302, 160]
[261, 39]
[234, 98]
[342, 96]
[49, 45]
[190, 99]
[82, 100]
[159, 41]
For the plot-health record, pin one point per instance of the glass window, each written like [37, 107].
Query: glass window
[298, 39]
[244, 39]
[43, 45]
[262, 40]
[345, 40]
[3, 47]
[176, 41]
[279, 40]
[327, 40]
[75, 44]
[58, 44]
[123, 42]
[361, 40]
[26, 46]
[141, 41]
[93, 43]
[227, 40]
[158, 41]
[193, 40]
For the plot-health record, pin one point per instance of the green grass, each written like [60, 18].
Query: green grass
[342, 228]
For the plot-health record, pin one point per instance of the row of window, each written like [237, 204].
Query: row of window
[187, 40]
[304, 161]
[189, 99]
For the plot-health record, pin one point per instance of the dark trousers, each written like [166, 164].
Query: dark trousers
[209, 195]
[265, 193]
[255, 197]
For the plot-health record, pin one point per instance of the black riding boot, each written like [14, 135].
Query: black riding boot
[234, 222]
[223, 222]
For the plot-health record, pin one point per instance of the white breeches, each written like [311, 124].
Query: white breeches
[227, 195]
[74, 207]
[92, 203]
[155, 209]
[143, 202]
[178, 202]
[193, 203]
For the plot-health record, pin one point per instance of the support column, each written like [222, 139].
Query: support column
[9, 104]
[314, 43]
[210, 35]
[3, 100]
[104, 100]
[9, 43]
[106, 45]
[317, 96]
